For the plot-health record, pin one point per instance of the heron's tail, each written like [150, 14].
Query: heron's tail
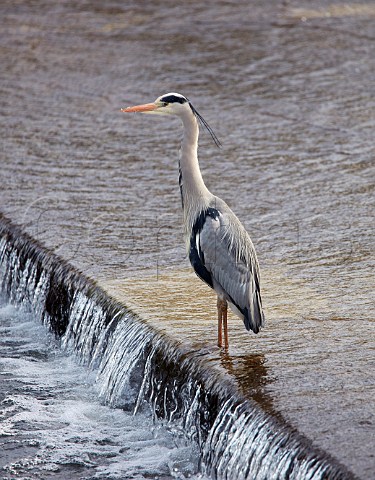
[254, 316]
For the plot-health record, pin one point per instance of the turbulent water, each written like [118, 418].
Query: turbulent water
[52, 424]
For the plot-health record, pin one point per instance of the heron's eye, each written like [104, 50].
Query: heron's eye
[165, 104]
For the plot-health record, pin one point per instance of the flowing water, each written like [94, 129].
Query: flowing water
[225, 434]
[52, 424]
[288, 87]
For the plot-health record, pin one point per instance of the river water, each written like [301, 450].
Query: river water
[52, 424]
[288, 87]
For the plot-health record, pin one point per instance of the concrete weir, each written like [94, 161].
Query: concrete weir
[141, 367]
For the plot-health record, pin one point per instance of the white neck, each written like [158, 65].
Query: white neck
[195, 194]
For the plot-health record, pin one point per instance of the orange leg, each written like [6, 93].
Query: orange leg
[225, 323]
[222, 317]
[219, 323]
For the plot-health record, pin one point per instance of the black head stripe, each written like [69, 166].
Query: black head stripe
[173, 99]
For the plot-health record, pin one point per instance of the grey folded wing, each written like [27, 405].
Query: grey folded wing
[227, 258]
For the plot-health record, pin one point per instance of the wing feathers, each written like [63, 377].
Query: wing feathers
[223, 256]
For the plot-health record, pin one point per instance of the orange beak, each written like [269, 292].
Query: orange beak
[147, 107]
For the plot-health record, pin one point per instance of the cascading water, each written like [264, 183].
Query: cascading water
[140, 369]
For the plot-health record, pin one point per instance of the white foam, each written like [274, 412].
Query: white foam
[50, 402]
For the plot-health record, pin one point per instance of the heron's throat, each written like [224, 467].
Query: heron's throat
[194, 194]
[192, 185]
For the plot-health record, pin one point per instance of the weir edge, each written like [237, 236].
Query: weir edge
[220, 409]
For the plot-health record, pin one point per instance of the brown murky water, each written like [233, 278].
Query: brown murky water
[289, 89]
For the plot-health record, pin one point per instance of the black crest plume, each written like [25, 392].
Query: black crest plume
[203, 122]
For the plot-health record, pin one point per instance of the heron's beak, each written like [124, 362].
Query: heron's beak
[146, 108]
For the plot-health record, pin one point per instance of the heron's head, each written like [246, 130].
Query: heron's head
[172, 104]
[168, 104]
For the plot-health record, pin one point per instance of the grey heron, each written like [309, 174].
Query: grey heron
[219, 248]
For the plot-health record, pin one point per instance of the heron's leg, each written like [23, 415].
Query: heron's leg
[222, 321]
[219, 322]
[225, 323]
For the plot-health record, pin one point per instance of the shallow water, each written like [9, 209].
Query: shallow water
[289, 90]
[52, 424]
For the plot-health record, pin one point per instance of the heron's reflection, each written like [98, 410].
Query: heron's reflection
[251, 375]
